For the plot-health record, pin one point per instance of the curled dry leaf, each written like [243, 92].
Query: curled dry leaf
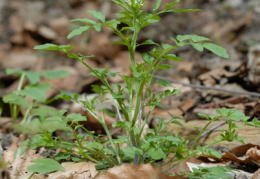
[127, 171]
[254, 153]
[256, 174]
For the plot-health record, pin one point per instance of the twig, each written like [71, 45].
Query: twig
[209, 131]
[218, 103]
[209, 88]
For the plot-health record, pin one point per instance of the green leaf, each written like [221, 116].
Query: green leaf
[127, 28]
[97, 15]
[156, 153]
[166, 46]
[94, 145]
[76, 117]
[218, 50]
[51, 74]
[78, 31]
[155, 104]
[33, 77]
[179, 44]
[173, 57]
[237, 115]
[177, 123]
[164, 66]
[157, 5]
[168, 6]
[197, 46]
[44, 111]
[117, 96]
[84, 20]
[45, 166]
[13, 98]
[113, 23]
[149, 42]
[147, 58]
[203, 115]
[97, 27]
[255, 122]
[35, 92]
[35, 126]
[215, 153]
[131, 152]
[62, 155]
[164, 83]
[49, 46]
[194, 38]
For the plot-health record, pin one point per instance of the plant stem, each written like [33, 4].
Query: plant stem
[14, 108]
[201, 132]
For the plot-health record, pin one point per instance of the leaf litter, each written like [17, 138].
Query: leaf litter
[29, 28]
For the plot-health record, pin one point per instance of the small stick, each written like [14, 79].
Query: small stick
[209, 88]
[209, 131]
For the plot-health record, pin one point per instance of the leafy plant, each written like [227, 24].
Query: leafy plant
[35, 91]
[130, 100]
[209, 173]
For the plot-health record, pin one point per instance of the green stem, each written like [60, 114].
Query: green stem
[104, 81]
[26, 114]
[31, 175]
[201, 132]
[14, 108]
[89, 149]
[110, 138]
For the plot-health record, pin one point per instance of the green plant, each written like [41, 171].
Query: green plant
[34, 91]
[130, 100]
[209, 173]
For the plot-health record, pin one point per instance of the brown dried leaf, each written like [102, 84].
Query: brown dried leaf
[182, 166]
[5, 123]
[76, 170]
[256, 174]
[254, 154]
[19, 164]
[127, 171]
[242, 149]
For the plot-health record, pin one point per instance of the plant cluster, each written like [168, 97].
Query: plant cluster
[130, 100]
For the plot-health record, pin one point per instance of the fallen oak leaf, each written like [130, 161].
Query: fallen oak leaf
[128, 171]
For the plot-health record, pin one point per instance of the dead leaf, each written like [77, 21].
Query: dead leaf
[182, 166]
[76, 171]
[254, 154]
[128, 171]
[18, 165]
[256, 174]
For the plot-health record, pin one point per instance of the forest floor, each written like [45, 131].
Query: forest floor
[206, 81]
